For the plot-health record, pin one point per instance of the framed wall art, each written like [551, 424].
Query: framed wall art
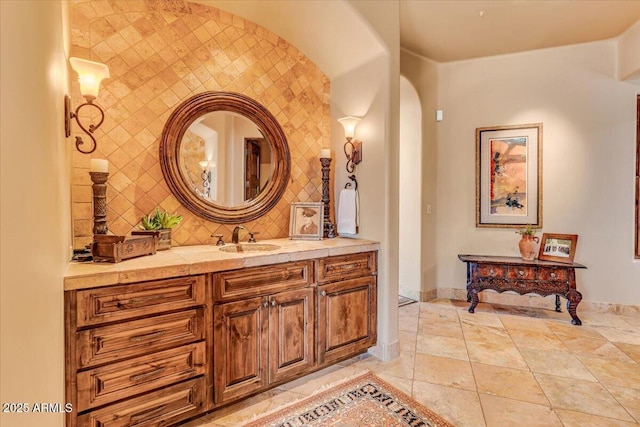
[306, 221]
[509, 176]
[558, 247]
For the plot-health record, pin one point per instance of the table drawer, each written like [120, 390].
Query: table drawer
[117, 381]
[346, 267]
[518, 272]
[161, 408]
[102, 305]
[554, 274]
[139, 337]
[490, 270]
[256, 281]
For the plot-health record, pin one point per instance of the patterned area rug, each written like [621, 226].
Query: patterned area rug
[362, 401]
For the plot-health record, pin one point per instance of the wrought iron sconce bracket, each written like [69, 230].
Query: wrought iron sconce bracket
[354, 155]
[68, 114]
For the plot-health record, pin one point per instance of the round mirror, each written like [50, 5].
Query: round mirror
[225, 157]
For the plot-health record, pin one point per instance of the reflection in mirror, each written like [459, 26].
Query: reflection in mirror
[225, 158]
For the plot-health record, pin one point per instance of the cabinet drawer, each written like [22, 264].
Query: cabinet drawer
[102, 305]
[346, 267]
[117, 381]
[554, 274]
[256, 281]
[139, 337]
[518, 272]
[164, 407]
[490, 270]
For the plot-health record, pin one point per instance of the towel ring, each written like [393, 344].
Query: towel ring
[354, 183]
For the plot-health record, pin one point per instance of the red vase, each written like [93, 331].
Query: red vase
[528, 247]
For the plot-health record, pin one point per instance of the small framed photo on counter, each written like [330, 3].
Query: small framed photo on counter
[558, 247]
[306, 221]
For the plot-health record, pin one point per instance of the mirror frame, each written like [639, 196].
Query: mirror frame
[178, 123]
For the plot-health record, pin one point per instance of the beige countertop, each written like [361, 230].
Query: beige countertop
[188, 260]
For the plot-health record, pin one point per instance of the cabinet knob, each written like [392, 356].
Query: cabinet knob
[273, 303]
[323, 293]
[553, 275]
[265, 304]
[491, 272]
[520, 273]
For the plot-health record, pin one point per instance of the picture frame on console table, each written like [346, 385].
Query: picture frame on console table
[306, 221]
[558, 247]
[509, 176]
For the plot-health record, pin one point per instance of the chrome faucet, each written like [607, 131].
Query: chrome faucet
[234, 236]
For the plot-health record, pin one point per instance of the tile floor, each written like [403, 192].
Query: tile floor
[502, 366]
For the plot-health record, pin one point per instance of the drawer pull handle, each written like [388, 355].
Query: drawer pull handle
[273, 303]
[323, 293]
[146, 375]
[520, 273]
[147, 336]
[553, 275]
[148, 413]
[492, 272]
[265, 304]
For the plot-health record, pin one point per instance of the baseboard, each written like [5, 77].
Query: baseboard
[537, 301]
[416, 295]
[386, 352]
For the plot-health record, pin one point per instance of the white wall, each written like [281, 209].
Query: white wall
[629, 54]
[588, 159]
[410, 226]
[35, 211]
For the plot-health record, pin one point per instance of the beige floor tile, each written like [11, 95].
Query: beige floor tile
[401, 367]
[309, 384]
[486, 333]
[439, 314]
[434, 345]
[556, 363]
[629, 398]
[502, 412]
[480, 318]
[537, 340]
[460, 407]
[580, 419]
[591, 347]
[444, 371]
[409, 310]
[613, 372]
[495, 354]
[619, 335]
[524, 324]
[442, 328]
[631, 350]
[564, 329]
[482, 307]
[581, 396]
[591, 318]
[408, 323]
[405, 385]
[407, 341]
[510, 383]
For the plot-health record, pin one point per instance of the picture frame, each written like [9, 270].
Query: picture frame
[306, 221]
[509, 176]
[558, 247]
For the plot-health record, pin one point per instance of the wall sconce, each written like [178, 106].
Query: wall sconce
[354, 155]
[206, 178]
[90, 74]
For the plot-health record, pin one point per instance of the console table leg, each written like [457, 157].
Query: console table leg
[473, 294]
[558, 304]
[573, 299]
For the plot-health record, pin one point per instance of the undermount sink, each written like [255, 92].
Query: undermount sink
[250, 247]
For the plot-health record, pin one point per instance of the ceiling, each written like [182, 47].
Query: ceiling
[452, 30]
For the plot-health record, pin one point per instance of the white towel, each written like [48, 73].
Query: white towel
[348, 212]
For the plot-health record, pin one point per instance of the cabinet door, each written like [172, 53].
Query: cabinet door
[346, 318]
[240, 340]
[291, 333]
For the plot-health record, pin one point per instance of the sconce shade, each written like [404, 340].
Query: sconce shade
[90, 74]
[204, 164]
[349, 123]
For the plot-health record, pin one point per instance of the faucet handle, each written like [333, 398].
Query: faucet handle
[220, 242]
[251, 238]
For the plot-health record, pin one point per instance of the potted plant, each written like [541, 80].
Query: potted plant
[528, 244]
[159, 223]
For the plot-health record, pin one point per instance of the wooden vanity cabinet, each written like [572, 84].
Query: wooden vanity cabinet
[347, 306]
[137, 354]
[262, 339]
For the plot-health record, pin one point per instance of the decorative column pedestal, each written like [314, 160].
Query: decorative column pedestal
[99, 188]
[329, 230]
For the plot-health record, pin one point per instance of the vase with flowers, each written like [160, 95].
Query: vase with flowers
[528, 244]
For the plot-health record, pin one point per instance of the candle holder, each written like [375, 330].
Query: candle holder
[329, 230]
[99, 188]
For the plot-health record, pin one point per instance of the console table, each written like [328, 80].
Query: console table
[544, 278]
